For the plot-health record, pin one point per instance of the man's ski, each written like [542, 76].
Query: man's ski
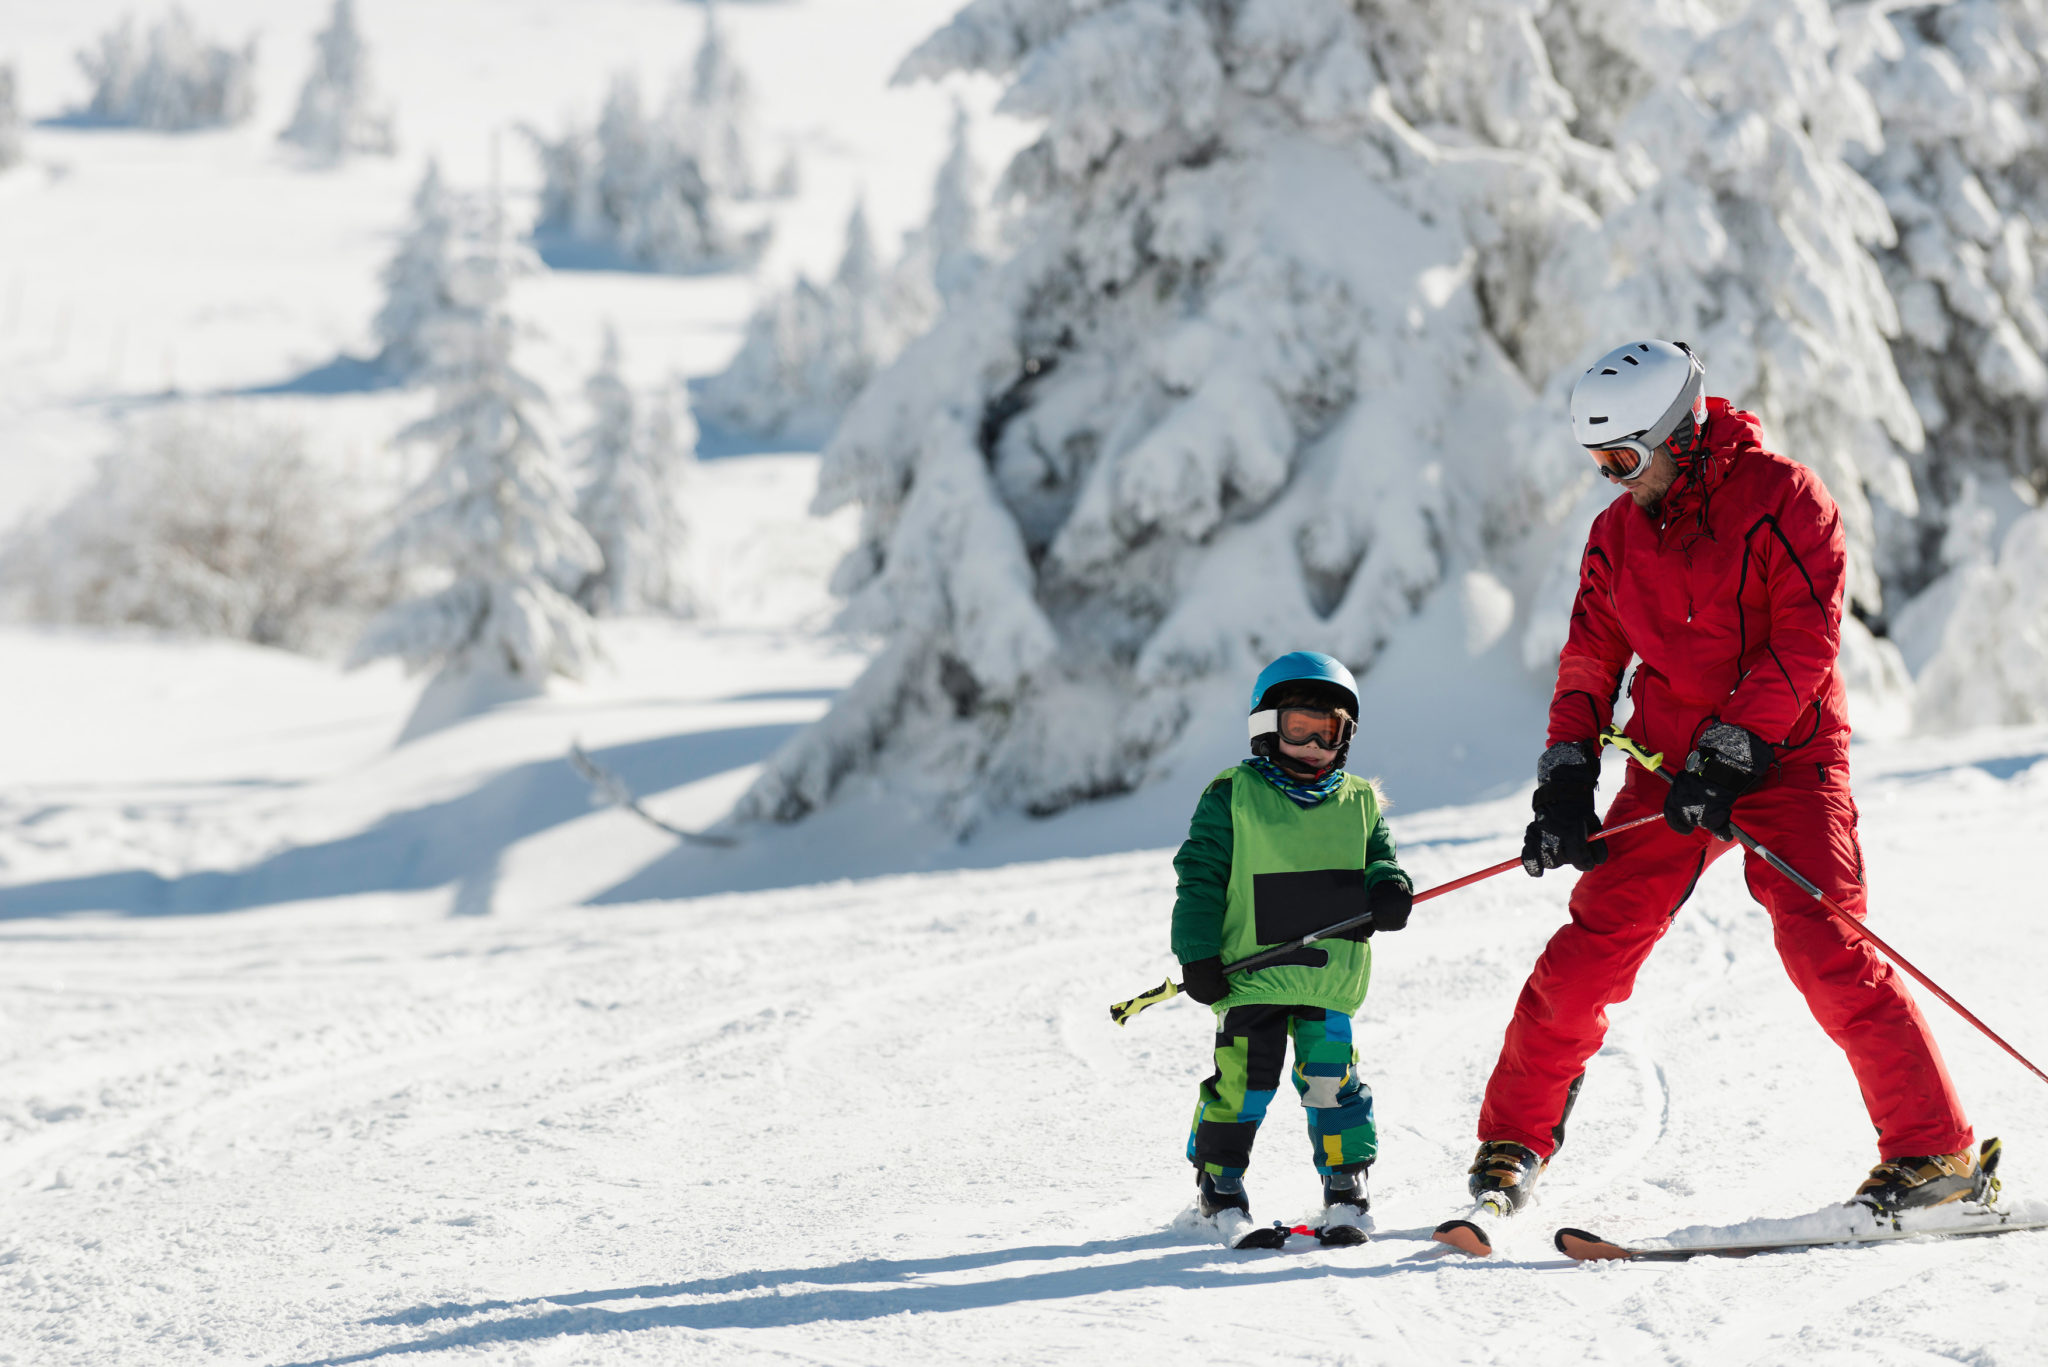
[1467, 1234]
[1581, 1246]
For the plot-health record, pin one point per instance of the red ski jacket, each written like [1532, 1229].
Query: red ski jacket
[1730, 596]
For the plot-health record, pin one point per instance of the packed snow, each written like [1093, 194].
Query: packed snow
[335, 1112]
[336, 1028]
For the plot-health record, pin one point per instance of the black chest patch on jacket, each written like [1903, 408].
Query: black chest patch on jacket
[1287, 906]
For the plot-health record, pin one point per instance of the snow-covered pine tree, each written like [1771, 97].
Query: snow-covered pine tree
[175, 80]
[338, 110]
[631, 501]
[418, 280]
[1963, 94]
[712, 117]
[491, 532]
[951, 239]
[636, 184]
[1714, 146]
[1233, 394]
[10, 119]
[810, 349]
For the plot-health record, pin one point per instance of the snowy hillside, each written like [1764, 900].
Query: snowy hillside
[876, 1122]
[318, 1048]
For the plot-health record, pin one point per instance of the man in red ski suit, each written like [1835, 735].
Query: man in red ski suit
[1726, 582]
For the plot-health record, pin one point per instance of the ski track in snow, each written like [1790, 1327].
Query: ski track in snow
[890, 1121]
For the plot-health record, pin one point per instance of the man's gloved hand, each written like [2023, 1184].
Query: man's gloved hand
[1725, 764]
[1389, 904]
[1204, 981]
[1565, 779]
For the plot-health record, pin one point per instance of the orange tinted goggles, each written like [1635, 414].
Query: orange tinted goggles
[1305, 725]
[1620, 462]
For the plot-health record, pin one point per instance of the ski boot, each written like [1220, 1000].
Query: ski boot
[1344, 1206]
[1504, 1176]
[1222, 1201]
[1935, 1180]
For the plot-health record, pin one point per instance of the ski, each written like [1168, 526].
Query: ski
[1466, 1234]
[1581, 1246]
[1237, 1231]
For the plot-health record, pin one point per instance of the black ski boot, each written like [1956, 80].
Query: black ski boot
[1504, 1176]
[1935, 1180]
[1344, 1206]
[1222, 1201]
[1214, 1194]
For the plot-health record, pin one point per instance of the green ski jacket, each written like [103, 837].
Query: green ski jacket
[1257, 871]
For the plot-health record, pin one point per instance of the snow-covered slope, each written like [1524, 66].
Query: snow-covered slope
[882, 1121]
[319, 1049]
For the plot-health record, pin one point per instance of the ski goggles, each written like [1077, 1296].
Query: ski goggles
[1621, 463]
[1305, 726]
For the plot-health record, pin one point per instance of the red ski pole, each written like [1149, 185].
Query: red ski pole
[1122, 1012]
[1857, 930]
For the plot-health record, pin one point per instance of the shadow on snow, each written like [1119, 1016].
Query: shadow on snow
[788, 1298]
[425, 847]
[344, 374]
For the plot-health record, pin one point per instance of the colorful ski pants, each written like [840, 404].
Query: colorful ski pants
[1251, 1049]
[1622, 908]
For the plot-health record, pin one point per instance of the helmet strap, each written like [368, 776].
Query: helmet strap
[1687, 443]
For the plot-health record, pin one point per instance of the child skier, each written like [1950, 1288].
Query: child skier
[1282, 845]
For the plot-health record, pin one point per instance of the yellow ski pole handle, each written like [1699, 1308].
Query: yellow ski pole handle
[1122, 1012]
[1641, 754]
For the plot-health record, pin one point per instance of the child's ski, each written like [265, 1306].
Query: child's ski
[1236, 1230]
[1581, 1246]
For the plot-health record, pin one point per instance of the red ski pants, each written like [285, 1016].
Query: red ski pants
[1620, 910]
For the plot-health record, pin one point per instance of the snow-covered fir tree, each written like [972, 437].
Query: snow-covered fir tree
[491, 533]
[1963, 94]
[338, 111]
[809, 349]
[418, 279]
[635, 463]
[173, 80]
[1301, 287]
[952, 236]
[637, 184]
[1233, 394]
[10, 119]
[712, 117]
[1712, 151]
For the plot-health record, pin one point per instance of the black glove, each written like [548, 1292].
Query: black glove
[1565, 779]
[1725, 764]
[1204, 981]
[1389, 904]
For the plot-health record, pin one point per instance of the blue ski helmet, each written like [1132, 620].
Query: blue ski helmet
[1297, 667]
[1303, 666]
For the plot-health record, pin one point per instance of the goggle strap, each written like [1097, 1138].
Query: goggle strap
[1265, 723]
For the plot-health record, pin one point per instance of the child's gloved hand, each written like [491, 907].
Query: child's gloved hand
[1204, 981]
[1389, 904]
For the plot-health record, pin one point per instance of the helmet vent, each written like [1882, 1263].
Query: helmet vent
[1596, 421]
[1631, 360]
[1610, 371]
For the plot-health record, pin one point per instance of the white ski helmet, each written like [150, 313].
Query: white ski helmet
[1635, 396]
